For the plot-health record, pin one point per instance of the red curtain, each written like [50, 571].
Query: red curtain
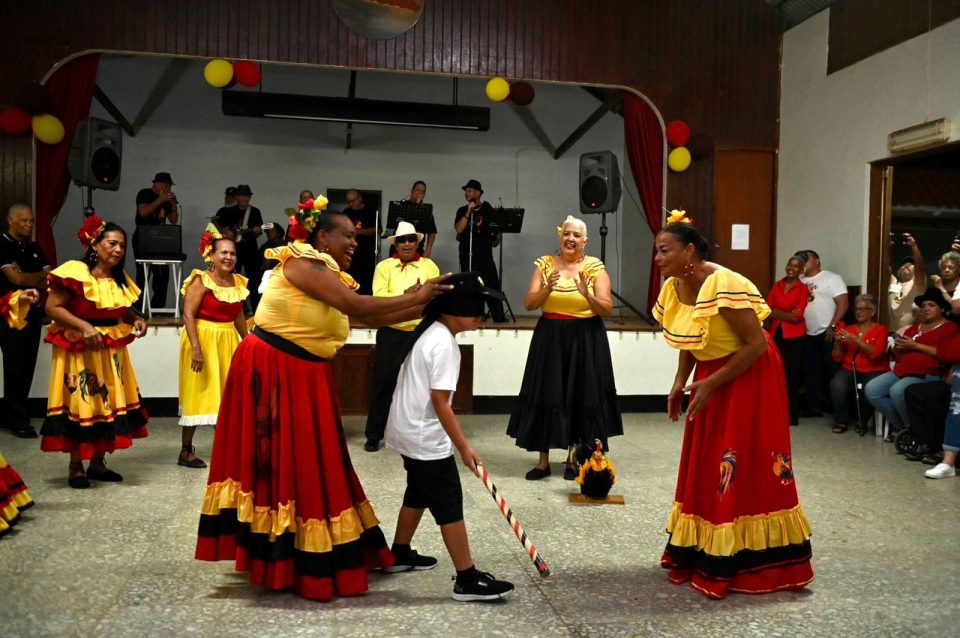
[71, 89]
[645, 147]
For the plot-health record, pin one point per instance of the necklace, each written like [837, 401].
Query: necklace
[921, 331]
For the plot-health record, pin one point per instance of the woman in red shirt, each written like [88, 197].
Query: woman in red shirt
[916, 359]
[788, 300]
[861, 349]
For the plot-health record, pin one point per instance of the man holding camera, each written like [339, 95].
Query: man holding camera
[156, 206]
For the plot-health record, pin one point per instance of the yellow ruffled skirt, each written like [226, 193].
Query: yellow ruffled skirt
[200, 392]
[13, 496]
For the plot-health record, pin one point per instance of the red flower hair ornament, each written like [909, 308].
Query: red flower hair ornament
[304, 218]
[92, 228]
[206, 245]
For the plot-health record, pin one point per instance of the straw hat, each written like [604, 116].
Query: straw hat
[404, 229]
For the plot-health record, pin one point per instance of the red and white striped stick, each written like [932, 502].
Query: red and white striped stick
[538, 561]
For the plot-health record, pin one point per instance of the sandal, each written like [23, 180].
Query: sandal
[104, 473]
[569, 472]
[839, 429]
[195, 462]
[77, 478]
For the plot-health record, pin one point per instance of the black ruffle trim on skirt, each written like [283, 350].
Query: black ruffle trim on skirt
[568, 395]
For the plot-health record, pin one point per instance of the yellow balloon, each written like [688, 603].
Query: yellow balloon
[498, 89]
[218, 73]
[679, 159]
[47, 128]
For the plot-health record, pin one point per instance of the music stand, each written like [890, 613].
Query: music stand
[504, 220]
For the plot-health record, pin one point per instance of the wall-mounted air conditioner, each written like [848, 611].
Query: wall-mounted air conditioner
[919, 136]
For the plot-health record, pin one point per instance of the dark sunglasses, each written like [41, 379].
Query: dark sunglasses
[407, 239]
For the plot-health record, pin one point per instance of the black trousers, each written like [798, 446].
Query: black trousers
[927, 407]
[20, 349]
[791, 350]
[843, 396]
[159, 281]
[251, 267]
[387, 359]
[487, 269]
[818, 368]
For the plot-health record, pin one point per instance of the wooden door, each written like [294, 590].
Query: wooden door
[743, 194]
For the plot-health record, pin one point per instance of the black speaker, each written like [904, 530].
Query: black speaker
[599, 182]
[94, 158]
[158, 242]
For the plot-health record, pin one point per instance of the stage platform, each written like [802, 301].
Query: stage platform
[493, 362]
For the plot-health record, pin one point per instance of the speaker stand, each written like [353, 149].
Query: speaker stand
[603, 258]
[88, 208]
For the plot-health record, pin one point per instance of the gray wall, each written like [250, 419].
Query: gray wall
[186, 134]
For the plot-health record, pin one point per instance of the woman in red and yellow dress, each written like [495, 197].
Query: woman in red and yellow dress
[14, 498]
[93, 404]
[736, 523]
[213, 325]
[282, 498]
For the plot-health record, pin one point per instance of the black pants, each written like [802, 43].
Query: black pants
[791, 350]
[487, 269]
[391, 344]
[20, 349]
[842, 396]
[927, 407]
[251, 270]
[818, 368]
[159, 281]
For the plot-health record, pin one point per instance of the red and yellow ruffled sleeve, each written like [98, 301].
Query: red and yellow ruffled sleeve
[303, 250]
[14, 309]
[227, 294]
[104, 293]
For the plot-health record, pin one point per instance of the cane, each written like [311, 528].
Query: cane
[532, 552]
[861, 426]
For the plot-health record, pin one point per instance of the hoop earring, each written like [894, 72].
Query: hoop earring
[558, 252]
[688, 269]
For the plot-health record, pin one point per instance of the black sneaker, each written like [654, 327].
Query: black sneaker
[486, 587]
[412, 561]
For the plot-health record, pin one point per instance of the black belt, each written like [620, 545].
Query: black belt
[285, 345]
[103, 323]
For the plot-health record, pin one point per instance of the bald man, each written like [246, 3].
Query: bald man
[22, 265]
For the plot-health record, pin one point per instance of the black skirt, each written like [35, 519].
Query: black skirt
[568, 395]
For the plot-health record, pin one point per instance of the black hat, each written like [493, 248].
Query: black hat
[467, 299]
[163, 178]
[243, 189]
[231, 190]
[933, 294]
[472, 183]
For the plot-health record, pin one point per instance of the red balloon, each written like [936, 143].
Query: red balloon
[678, 133]
[14, 121]
[246, 72]
[522, 93]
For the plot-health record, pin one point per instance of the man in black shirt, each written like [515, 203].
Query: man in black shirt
[364, 220]
[22, 265]
[155, 206]
[476, 247]
[245, 222]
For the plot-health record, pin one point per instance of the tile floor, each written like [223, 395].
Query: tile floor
[116, 560]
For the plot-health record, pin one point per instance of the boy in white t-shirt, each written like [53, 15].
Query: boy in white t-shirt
[424, 429]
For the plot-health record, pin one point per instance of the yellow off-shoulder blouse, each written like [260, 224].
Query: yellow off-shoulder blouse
[288, 312]
[565, 299]
[700, 328]
[227, 294]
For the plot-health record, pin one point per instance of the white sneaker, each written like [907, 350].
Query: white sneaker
[942, 470]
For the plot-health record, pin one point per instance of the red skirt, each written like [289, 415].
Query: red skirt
[283, 500]
[736, 523]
